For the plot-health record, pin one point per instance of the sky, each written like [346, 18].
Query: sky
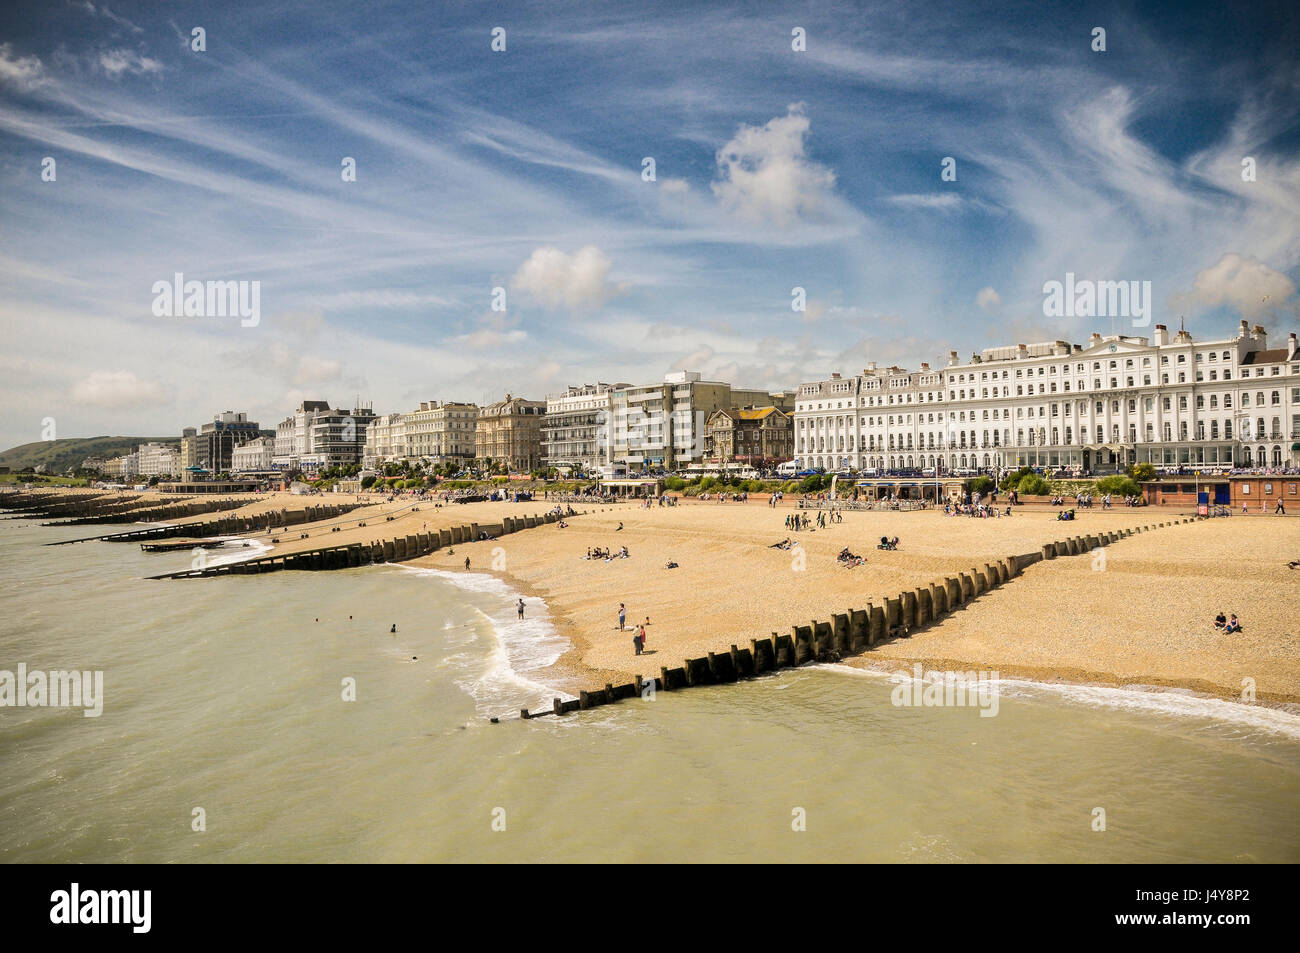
[503, 232]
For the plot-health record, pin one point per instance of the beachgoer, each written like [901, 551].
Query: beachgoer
[467, 563]
[622, 616]
[641, 636]
[636, 643]
[393, 629]
[521, 608]
[1233, 625]
[1220, 621]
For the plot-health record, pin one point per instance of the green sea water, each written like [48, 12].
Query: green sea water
[226, 695]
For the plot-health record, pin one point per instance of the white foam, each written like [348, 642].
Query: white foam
[1177, 702]
[240, 553]
[521, 650]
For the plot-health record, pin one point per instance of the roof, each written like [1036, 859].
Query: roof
[749, 413]
[1276, 355]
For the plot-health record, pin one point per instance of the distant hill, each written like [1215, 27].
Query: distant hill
[67, 452]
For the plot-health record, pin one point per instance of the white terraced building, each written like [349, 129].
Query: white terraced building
[440, 432]
[155, 459]
[1099, 407]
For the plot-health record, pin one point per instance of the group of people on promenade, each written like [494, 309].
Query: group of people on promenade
[742, 497]
[976, 510]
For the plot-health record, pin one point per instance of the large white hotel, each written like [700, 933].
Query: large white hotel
[1098, 407]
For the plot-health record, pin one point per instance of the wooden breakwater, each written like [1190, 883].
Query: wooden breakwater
[847, 633]
[51, 505]
[352, 555]
[151, 514]
[226, 526]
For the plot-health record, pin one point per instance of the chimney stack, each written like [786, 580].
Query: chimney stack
[1291, 348]
[952, 358]
[1094, 339]
[1261, 336]
[1244, 330]
[1161, 335]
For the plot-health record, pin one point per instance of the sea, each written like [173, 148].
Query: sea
[280, 718]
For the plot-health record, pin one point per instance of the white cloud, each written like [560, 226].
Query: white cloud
[116, 389]
[557, 279]
[21, 71]
[766, 175]
[1245, 285]
[316, 370]
[674, 186]
[943, 201]
[987, 298]
[117, 62]
[487, 338]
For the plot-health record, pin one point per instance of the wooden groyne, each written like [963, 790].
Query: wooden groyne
[352, 555]
[53, 505]
[847, 633]
[226, 526]
[153, 514]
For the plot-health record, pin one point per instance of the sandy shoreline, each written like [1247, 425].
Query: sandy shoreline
[1141, 618]
[1062, 621]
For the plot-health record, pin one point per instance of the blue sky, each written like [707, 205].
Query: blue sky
[523, 170]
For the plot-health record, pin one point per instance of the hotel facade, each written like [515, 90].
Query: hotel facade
[437, 432]
[1100, 407]
[315, 437]
[510, 432]
[573, 427]
[666, 425]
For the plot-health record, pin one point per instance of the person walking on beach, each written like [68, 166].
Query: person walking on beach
[636, 643]
[641, 635]
[1280, 510]
[521, 609]
[467, 564]
[622, 616]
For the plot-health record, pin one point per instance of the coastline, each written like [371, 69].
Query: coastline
[1061, 622]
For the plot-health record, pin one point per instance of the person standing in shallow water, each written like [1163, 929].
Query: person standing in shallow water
[521, 608]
